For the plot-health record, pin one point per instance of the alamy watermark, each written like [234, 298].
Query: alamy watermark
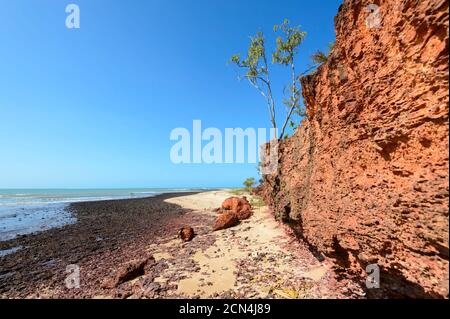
[72, 280]
[373, 20]
[73, 19]
[373, 276]
[232, 146]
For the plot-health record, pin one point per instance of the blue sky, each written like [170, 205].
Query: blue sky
[94, 107]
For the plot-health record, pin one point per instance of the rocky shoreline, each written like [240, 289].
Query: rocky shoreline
[257, 258]
[107, 231]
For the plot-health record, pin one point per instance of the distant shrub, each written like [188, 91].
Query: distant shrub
[249, 183]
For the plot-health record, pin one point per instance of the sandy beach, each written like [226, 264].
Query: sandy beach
[258, 258]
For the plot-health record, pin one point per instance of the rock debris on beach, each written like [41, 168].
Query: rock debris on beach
[142, 256]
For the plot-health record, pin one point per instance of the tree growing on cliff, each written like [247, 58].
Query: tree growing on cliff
[257, 69]
[319, 57]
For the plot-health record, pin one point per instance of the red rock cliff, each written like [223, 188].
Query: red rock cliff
[364, 180]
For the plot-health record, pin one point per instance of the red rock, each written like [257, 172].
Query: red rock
[228, 203]
[225, 220]
[366, 175]
[129, 271]
[186, 233]
[238, 206]
[243, 214]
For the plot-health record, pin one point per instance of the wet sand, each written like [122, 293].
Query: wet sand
[259, 258]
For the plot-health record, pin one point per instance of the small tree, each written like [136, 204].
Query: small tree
[320, 57]
[257, 69]
[249, 183]
[287, 48]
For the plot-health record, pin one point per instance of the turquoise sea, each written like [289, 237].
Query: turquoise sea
[25, 211]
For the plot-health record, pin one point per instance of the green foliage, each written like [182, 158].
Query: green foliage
[330, 47]
[257, 201]
[249, 183]
[320, 57]
[257, 69]
[287, 45]
[286, 49]
[238, 192]
[254, 63]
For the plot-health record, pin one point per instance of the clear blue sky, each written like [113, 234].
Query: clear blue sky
[94, 107]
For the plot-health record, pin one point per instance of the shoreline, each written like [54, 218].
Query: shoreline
[259, 258]
[102, 227]
[36, 211]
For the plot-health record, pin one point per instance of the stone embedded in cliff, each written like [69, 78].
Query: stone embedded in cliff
[225, 220]
[129, 271]
[186, 234]
[365, 179]
[238, 206]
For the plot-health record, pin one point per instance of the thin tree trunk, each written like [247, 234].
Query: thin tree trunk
[294, 102]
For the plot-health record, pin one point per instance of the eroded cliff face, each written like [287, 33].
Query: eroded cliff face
[364, 180]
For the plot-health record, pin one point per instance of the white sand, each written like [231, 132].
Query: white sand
[261, 242]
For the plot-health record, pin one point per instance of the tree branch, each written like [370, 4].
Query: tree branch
[294, 99]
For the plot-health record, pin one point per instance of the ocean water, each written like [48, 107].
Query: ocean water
[28, 211]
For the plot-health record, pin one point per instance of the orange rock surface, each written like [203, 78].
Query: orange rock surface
[225, 220]
[365, 179]
[240, 207]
